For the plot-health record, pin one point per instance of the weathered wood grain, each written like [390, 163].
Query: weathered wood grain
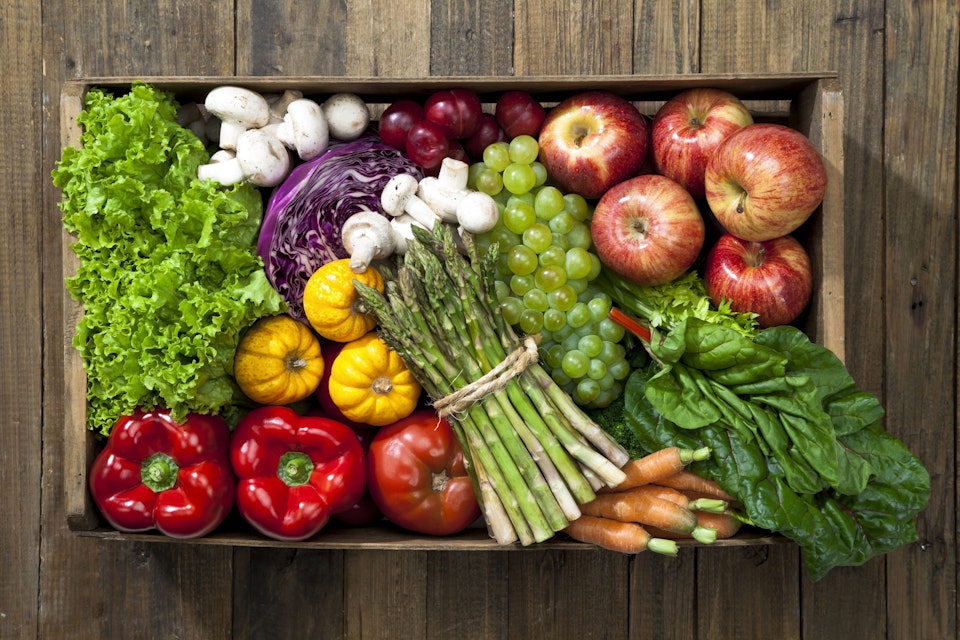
[21, 279]
[920, 304]
[471, 37]
[276, 38]
[279, 592]
[579, 594]
[573, 37]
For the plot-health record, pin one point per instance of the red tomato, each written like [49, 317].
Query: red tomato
[416, 476]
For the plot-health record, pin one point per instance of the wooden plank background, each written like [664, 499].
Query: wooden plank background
[898, 65]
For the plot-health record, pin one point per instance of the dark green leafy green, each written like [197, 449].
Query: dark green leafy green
[791, 436]
[168, 273]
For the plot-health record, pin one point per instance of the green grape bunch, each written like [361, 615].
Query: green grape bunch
[545, 270]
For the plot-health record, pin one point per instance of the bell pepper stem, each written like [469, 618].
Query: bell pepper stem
[295, 468]
[159, 472]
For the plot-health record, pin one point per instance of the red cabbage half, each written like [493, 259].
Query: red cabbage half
[304, 215]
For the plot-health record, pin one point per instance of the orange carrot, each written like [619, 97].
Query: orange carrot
[725, 524]
[658, 465]
[679, 497]
[642, 508]
[623, 537]
[694, 486]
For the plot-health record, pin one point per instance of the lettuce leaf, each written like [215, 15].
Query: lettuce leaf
[168, 274]
[797, 443]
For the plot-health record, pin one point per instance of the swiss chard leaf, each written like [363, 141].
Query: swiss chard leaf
[869, 505]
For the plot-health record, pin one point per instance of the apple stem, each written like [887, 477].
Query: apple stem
[740, 202]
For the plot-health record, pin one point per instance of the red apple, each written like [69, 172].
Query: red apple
[764, 181]
[687, 130]
[770, 278]
[518, 113]
[647, 229]
[591, 141]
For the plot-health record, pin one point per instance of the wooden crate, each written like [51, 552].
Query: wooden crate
[809, 102]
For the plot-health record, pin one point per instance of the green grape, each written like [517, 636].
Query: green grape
[575, 364]
[619, 370]
[578, 263]
[610, 330]
[577, 205]
[591, 344]
[523, 149]
[473, 171]
[497, 156]
[562, 222]
[552, 355]
[595, 267]
[527, 197]
[579, 285]
[600, 306]
[519, 285]
[560, 378]
[489, 181]
[538, 237]
[561, 241]
[511, 308]
[519, 178]
[562, 298]
[606, 381]
[548, 202]
[554, 320]
[553, 256]
[612, 351]
[502, 290]
[536, 299]
[571, 341]
[540, 172]
[578, 315]
[579, 235]
[550, 278]
[531, 321]
[606, 396]
[597, 369]
[587, 391]
[521, 260]
[518, 216]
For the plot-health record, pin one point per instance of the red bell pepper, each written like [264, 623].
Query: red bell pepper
[157, 473]
[294, 471]
[417, 477]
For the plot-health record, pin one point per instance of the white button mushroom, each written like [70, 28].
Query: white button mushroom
[304, 129]
[367, 236]
[279, 103]
[444, 192]
[263, 159]
[403, 229]
[347, 115]
[477, 212]
[399, 196]
[222, 167]
[238, 110]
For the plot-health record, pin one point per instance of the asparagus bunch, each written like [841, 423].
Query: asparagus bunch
[533, 454]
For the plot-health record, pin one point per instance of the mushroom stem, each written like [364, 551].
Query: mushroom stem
[367, 236]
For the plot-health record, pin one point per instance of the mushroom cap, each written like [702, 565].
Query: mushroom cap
[397, 192]
[367, 236]
[304, 129]
[238, 105]
[478, 212]
[347, 115]
[263, 158]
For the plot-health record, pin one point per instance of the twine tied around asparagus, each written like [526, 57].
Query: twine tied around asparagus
[497, 378]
